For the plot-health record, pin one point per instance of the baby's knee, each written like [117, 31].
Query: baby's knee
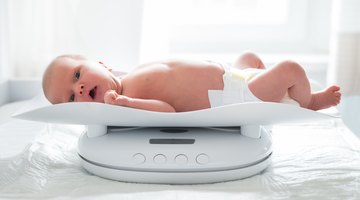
[291, 67]
[249, 59]
[248, 55]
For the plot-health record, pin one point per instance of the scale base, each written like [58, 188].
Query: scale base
[176, 178]
[175, 155]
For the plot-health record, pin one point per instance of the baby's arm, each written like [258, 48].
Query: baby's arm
[111, 97]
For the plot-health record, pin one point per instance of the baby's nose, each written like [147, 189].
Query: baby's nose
[80, 89]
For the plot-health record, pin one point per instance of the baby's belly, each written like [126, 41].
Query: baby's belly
[189, 101]
[192, 104]
[193, 96]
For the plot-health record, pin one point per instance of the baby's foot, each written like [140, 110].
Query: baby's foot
[326, 98]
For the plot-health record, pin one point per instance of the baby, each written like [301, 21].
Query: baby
[182, 85]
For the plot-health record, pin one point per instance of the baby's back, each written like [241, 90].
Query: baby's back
[182, 84]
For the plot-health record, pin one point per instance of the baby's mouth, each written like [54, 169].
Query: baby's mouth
[92, 92]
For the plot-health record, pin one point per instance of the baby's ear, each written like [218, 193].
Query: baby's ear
[108, 68]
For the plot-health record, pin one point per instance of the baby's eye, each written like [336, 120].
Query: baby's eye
[72, 98]
[77, 75]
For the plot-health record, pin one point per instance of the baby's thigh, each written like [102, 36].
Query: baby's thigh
[268, 86]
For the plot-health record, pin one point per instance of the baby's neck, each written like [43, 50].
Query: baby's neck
[119, 74]
[118, 83]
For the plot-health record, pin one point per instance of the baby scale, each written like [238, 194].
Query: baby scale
[213, 145]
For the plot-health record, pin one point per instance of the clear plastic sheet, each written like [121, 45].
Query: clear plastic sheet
[310, 161]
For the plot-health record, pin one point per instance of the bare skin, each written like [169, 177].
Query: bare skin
[177, 85]
[290, 78]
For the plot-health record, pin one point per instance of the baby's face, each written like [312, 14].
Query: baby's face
[78, 81]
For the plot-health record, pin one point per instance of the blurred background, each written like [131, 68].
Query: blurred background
[322, 35]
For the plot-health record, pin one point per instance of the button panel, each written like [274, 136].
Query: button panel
[180, 159]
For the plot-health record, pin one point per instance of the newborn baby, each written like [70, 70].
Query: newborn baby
[182, 85]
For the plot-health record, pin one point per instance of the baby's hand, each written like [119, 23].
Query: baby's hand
[112, 97]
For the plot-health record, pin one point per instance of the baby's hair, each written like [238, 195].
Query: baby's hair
[72, 56]
[69, 56]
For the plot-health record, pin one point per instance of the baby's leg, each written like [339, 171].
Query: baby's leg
[271, 85]
[249, 60]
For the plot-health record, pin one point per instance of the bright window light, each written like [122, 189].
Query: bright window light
[206, 27]
[255, 12]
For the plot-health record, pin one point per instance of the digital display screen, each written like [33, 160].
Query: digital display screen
[171, 141]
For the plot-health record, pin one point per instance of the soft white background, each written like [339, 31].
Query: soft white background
[124, 33]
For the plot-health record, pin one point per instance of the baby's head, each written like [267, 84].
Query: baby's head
[71, 78]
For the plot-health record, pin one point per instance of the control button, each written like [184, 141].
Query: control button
[181, 159]
[202, 159]
[139, 158]
[160, 159]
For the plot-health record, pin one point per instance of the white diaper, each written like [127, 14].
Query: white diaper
[236, 88]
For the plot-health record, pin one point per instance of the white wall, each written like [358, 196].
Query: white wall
[106, 30]
[111, 31]
[4, 70]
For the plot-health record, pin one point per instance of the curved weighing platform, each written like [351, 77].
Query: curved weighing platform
[258, 113]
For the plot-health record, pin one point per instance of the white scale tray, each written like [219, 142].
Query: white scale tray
[253, 113]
